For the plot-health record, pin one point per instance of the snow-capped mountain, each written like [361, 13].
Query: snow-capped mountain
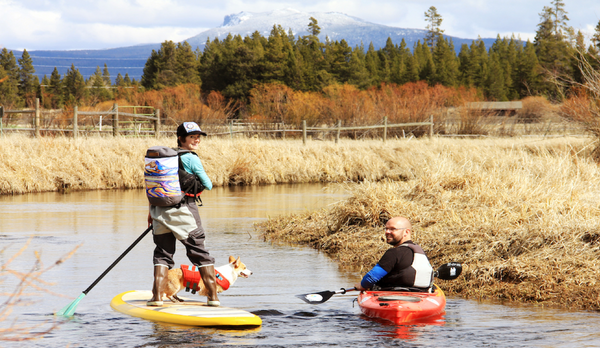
[334, 25]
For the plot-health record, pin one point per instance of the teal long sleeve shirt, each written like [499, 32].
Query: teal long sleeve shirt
[193, 164]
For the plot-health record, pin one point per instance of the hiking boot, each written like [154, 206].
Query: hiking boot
[210, 282]
[160, 280]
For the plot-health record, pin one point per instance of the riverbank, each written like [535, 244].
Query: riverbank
[522, 216]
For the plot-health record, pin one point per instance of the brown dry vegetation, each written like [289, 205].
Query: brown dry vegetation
[522, 216]
[55, 164]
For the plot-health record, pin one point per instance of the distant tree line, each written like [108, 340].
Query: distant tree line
[19, 86]
[509, 70]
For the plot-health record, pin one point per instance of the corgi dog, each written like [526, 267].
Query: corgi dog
[229, 274]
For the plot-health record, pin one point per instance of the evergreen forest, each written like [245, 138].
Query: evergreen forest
[243, 74]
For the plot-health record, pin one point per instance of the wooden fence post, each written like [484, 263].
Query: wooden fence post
[337, 134]
[384, 129]
[75, 128]
[431, 126]
[115, 120]
[36, 118]
[304, 132]
[157, 123]
[1, 118]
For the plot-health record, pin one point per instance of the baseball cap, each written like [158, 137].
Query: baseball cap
[188, 128]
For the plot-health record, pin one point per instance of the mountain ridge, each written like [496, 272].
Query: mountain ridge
[334, 25]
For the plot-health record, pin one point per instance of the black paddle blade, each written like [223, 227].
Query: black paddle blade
[449, 271]
[317, 297]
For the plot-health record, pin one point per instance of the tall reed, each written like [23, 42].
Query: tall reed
[56, 164]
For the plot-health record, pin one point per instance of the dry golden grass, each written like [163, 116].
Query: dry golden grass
[521, 215]
[55, 164]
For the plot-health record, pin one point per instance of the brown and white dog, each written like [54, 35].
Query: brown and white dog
[231, 272]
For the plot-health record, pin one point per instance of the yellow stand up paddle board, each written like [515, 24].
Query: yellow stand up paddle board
[190, 312]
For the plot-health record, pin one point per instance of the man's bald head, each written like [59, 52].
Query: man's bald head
[397, 230]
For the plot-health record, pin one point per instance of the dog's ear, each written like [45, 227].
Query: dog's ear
[231, 259]
[237, 262]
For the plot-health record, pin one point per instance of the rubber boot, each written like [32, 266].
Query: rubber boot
[210, 282]
[160, 280]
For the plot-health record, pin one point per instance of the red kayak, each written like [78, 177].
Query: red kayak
[402, 306]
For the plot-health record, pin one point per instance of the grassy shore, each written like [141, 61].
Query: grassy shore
[521, 214]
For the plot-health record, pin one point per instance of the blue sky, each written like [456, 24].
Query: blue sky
[98, 24]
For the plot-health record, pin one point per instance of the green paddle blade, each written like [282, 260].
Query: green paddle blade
[69, 310]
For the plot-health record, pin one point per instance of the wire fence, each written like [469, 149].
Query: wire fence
[146, 121]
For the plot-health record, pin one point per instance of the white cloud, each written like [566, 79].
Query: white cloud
[79, 24]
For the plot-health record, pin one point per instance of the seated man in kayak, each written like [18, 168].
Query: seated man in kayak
[405, 265]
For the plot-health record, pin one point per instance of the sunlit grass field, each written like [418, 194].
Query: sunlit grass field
[521, 214]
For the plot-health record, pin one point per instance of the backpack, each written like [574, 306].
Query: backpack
[167, 182]
[161, 174]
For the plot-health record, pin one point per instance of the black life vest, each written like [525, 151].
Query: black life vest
[191, 185]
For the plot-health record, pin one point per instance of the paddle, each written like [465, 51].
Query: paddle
[69, 310]
[447, 271]
[320, 297]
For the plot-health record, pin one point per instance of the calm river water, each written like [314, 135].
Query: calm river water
[105, 223]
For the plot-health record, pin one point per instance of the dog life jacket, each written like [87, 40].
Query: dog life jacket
[167, 182]
[191, 278]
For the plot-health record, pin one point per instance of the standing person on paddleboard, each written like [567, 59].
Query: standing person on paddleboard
[182, 222]
[404, 265]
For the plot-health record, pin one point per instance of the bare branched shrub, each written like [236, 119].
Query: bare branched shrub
[29, 284]
[535, 109]
[583, 106]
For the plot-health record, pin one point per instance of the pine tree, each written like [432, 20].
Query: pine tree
[596, 37]
[74, 86]
[495, 88]
[276, 55]
[560, 18]
[9, 88]
[313, 27]
[372, 63]
[27, 85]
[55, 87]
[338, 59]
[445, 62]
[464, 66]
[106, 76]
[479, 69]
[434, 31]
[552, 51]
[119, 81]
[359, 75]
[186, 64]
[528, 72]
[99, 90]
[293, 69]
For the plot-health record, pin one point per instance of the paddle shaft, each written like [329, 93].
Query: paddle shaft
[118, 259]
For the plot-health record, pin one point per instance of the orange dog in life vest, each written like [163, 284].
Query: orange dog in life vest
[188, 278]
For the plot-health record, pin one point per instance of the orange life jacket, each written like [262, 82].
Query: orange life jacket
[191, 278]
